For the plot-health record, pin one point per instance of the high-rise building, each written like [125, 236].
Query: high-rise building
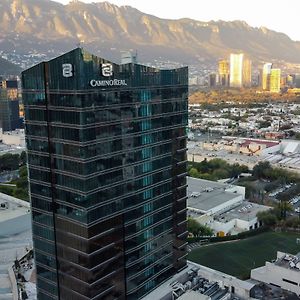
[247, 72]
[212, 80]
[107, 170]
[128, 57]
[240, 71]
[271, 78]
[297, 80]
[275, 82]
[9, 105]
[266, 76]
[224, 72]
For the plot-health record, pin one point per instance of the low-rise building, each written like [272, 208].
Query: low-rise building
[15, 138]
[15, 240]
[198, 282]
[241, 218]
[284, 272]
[210, 197]
[222, 207]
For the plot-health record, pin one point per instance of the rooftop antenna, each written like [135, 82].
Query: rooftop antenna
[78, 45]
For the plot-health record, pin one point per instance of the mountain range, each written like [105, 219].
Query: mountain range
[48, 27]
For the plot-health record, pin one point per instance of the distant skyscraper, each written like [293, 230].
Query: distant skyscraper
[212, 80]
[9, 105]
[271, 78]
[275, 77]
[290, 80]
[128, 57]
[297, 80]
[266, 76]
[240, 71]
[224, 72]
[107, 167]
[236, 70]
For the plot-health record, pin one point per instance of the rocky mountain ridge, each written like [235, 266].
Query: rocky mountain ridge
[44, 26]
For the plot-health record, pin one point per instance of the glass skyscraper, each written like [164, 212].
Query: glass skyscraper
[107, 169]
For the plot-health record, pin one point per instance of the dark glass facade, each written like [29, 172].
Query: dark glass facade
[9, 105]
[107, 167]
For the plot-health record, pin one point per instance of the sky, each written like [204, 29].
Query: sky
[278, 15]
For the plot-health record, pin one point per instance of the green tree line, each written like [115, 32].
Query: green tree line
[11, 162]
[215, 169]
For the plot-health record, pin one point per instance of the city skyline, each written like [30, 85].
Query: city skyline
[265, 16]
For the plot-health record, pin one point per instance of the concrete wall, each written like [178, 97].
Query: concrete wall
[226, 205]
[225, 227]
[234, 224]
[8, 198]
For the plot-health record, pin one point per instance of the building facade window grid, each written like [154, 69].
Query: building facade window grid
[149, 94]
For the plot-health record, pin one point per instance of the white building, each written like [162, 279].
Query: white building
[284, 272]
[240, 218]
[210, 197]
[193, 283]
[222, 207]
[15, 240]
[15, 138]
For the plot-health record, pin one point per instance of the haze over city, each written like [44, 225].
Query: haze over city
[276, 15]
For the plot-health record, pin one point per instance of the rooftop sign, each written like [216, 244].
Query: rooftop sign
[104, 83]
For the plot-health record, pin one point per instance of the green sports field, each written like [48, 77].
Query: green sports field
[237, 258]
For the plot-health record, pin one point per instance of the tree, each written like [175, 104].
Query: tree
[23, 158]
[268, 218]
[9, 162]
[198, 229]
[193, 172]
[193, 226]
[6, 190]
[282, 209]
[261, 169]
[23, 171]
[205, 231]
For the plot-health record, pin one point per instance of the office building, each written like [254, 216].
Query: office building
[266, 76]
[107, 169]
[297, 80]
[275, 82]
[247, 72]
[128, 57]
[240, 71]
[212, 80]
[271, 78]
[9, 105]
[224, 71]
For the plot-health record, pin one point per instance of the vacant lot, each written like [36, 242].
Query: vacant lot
[237, 258]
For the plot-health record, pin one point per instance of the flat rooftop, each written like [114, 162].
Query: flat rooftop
[245, 211]
[289, 261]
[164, 291]
[204, 195]
[15, 237]
[14, 215]
[166, 288]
